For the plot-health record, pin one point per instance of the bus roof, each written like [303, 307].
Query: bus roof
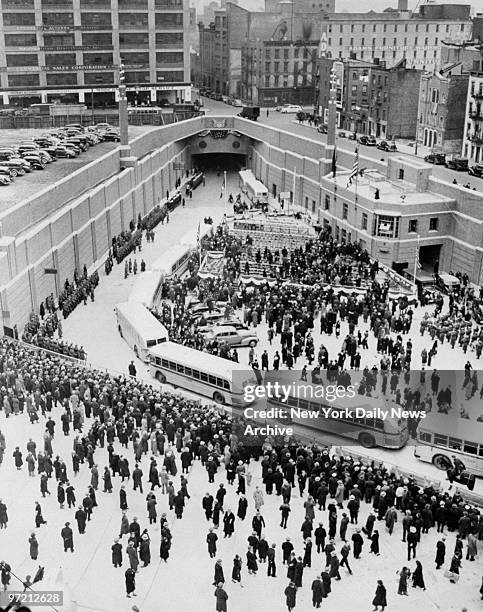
[165, 263]
[248, 178]
[453, 425]
[145, 288]
[146, 323]
[198, 359]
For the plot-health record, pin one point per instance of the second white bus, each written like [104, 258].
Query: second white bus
[174, 262]
[220, 379]
[139, 328]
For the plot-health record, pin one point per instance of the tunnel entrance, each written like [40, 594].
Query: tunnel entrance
[209, 162]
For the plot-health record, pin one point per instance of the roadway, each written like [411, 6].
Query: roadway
[289, 123]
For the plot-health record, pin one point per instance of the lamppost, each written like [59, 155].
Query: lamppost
[123, 120]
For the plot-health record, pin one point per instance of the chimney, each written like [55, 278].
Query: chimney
[402, 5]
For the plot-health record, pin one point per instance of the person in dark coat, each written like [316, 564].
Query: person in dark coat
[380, 596]
[116, 549]
[242, 507]
[107, 481]
[375, 542]
[252, 565]
[221, 598]
[440, 553]
[144, 549]
[34, 546]
[211, 540]
[291, 596]
[418, 578]
[219, 575]
[236, 571]
[68, 538]
[130, 577]
[81, 517]
[317, 592]
[229, 523]
[39, 519]
[326, 582]
[299, 572]
[60, 494]
[123, 498]
[357, 543]
[165, 547]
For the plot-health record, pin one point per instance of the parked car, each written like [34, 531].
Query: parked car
[457, 164]
[237, 102]
[35, 161]
[16, 167]
[232, 336]
[342, 134]
[112, 136]
[476, 170]
[388, 147]
[5, 180]
[62, 151]
[236, 323]
[78, 142]
[250, 112]
[292, 108]
[439, 159]
[369, 141]
[352, 136]
[322, 128]
[4, 171]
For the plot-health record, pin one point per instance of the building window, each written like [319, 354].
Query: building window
[62, 78]
[137, 77]
[170, 76]
[277, 53]
[99, 58]
[267, 66]
[345, 210]
[59, 40]
[138, 39]
[276, 68]
[96, 19]
[50, 19]
[20, 40]
[169, 20]
[433, 224]
[327, 202]
[94, 78]
[387, 227]
[18, 19]
[169, 39]
[285, 67]
[285, 54]
[60, 59]
[413, 226]
[22, 59]
[166, 59]
[100, 40]
[133, 20]
[364, 221]
[401, 174]
[23, 80]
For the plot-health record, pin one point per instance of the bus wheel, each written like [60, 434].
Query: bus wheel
[218, 397]
[160, 377]
[252, 343]
[366, 440]
[441, 462]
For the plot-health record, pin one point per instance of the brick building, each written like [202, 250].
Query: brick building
[370, 100]
[473, 128]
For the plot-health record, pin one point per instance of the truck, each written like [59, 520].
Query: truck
[250, 112]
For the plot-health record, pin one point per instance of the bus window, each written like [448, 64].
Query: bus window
[196, 374]
[150, 343]
[440, 440]
[165, 363]
[188, 371]
[304, 404]
[204, 376]
[161, 340]
[480, 451]
[172, 365]
[179, 368]
[425, 436]
[212, 380]
[455, 443]
[378, 423]
[226, 385]
[470, 447]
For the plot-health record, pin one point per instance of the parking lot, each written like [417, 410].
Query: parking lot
[25, 186]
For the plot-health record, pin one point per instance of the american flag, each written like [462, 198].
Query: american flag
[355, 168]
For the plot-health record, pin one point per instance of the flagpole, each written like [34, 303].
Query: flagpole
[294, 185]
[224, 189]
[416, 260]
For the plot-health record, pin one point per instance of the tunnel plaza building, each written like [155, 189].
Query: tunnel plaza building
[398, 209]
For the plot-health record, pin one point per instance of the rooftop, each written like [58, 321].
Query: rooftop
[391, 191]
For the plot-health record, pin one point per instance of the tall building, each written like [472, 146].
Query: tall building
[370, 100]
[235, 27]
[442, 103]
[394, 35]
[473, 131]
[70, 50]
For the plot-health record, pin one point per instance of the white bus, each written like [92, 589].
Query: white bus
[442, 435]
[254, 189]
[368, 431]
[174, 262]
[219, 379]
[146, 289]
[139, 328]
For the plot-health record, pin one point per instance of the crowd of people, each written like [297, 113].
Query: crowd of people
[132, 421]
